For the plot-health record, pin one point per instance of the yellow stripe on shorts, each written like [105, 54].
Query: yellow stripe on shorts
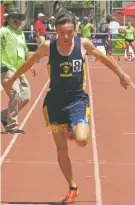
[46, 117]
[88, 113]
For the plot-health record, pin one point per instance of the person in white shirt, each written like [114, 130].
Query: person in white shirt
[114, 26]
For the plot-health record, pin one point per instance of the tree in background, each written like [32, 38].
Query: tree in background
[8, 4]
[82, 4]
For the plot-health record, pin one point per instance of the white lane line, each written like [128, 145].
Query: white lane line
[130, 133]
[40, 162]
[22, 125]
[94, 144]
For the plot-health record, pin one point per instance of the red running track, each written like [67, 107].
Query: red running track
[104, 170]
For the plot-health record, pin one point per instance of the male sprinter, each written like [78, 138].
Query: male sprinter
[66, 103]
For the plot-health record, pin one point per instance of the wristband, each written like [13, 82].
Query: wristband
[122, 75]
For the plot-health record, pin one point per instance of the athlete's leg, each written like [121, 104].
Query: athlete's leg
[127, 48]
[81, 134]
[79, 121]
[110, 45]
[133, 46]
[59, 134]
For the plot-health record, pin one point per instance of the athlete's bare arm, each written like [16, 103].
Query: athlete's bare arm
[41, 52]
[88, 45]
[107, 61]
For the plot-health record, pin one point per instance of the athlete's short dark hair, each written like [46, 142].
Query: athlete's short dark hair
[65, 18]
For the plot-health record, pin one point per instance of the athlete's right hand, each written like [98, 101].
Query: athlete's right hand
[7, 84]
[126, 81]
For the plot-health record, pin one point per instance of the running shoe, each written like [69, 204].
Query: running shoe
[72, 194]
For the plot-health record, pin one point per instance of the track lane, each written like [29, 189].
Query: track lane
[28, 172]
[115, 130]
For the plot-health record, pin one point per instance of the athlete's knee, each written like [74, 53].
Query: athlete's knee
[82, 142]
[82, 138]
[82, 134]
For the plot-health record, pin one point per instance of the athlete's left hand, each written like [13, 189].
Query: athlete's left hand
[126, 81]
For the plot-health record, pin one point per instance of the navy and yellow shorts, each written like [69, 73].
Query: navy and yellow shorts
[71, 111]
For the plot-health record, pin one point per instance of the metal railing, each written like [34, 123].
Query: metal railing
[100, 39]
[28, 38]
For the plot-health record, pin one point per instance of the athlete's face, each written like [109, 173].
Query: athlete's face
[65, 32]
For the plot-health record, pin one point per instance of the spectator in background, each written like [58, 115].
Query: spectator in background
[77, 25]
[46, 24]
[114, 26]
[49, 28]
[52, 23]
[78, 21]
[87, 28]
[14, 52]
[49, 24]
[5, 16]
[104, 28]
[129, 34]
[40, 29]
[32, 30]
[105, 25]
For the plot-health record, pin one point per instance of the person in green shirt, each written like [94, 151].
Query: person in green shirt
[129, 33]
[14, 53]
[86, 28]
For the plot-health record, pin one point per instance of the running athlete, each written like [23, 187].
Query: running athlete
[66, 103]
[129, 38]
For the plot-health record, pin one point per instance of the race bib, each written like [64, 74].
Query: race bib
[77, 65]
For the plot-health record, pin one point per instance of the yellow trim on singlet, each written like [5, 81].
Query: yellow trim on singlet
[84, 76]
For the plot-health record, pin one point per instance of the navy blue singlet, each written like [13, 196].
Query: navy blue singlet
[67, 73]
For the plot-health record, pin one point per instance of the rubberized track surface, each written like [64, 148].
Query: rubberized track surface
[104, 170]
